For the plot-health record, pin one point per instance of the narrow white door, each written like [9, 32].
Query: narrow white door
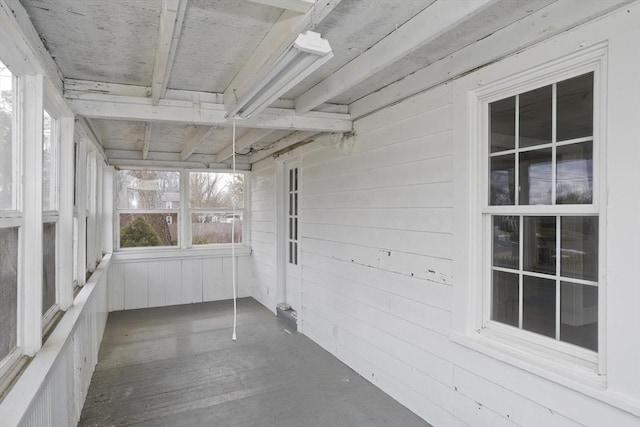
[293, 291]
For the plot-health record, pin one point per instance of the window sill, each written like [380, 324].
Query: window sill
[562, 369]
[131, 255]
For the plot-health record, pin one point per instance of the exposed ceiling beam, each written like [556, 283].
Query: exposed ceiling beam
[246, 141]
[275, 42]
[212, 114]
[301, 6]
[81, 89]
[156, 163]
[15, 25]
[202, 135]
[77, 88]
[171, 19]
[543, 24]
[426, 26]
[281, 144]
[147, 140]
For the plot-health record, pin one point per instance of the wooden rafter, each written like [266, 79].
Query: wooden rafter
[202, 135]
[276, 41]
[426, 26]
[301, 6]
[204, 113]
[147, 140]
[15, 25]
[543, 24]
[171, 19]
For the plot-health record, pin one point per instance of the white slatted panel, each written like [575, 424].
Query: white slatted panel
[52, 390]
[152, 283]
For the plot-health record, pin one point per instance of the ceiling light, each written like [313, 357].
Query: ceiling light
[306, 55]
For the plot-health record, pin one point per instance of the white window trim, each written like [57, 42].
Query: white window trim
[188, 211]
[546, 357]
[184, 219]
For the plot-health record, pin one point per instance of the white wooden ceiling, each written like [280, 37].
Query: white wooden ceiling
[150, 76]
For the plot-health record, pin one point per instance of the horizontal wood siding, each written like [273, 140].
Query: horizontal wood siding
[263, 233]
[377, 229]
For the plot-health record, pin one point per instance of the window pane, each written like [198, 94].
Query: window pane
[535, 117]
[579, 315]
[502, 180]
[504, 296]
[579, 243]
[144, 189]
[7, 95]
[502, 131]
[210, 228]
[506, 239]
[539, 251]
[49, 266]
[75, 249]
[48, 164]
[575, 108]
[535, 177]
[151, 229]
[215, 190]
[574, 173]
[539, 305]
[8, 290]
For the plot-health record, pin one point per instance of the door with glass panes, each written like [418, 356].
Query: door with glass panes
[292, 285]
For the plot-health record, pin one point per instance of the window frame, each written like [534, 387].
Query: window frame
[14, 217]
[189, 211]
[184, 214]
[474, 328]
[51, 216]
[118, 212]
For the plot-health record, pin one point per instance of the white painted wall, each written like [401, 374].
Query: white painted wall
[52, 389]
[263, 234]
[380, 255]
[163, 279]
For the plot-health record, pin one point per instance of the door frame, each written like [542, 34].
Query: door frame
[282, 167]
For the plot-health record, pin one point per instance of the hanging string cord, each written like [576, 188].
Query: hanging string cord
[233, 234]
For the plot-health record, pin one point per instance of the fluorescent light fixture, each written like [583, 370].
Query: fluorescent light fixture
[306, 55]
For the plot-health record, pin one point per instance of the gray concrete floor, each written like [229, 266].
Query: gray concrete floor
[177, 366]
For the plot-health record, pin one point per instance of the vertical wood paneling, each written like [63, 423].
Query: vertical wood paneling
[116, 287]
[157, 284]
[173, 282]
[246, 277]
[213, 288]
[191, 281]
[136, 287]
[52, 389]
[152, 283]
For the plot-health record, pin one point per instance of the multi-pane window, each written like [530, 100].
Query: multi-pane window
[8, 291]
[541, 214]
[10, 219]
[8, 151]
[213, 197]
[292, 216]
[50, 144]
[148, 204]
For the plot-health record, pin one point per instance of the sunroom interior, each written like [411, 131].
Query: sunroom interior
[440, 194]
